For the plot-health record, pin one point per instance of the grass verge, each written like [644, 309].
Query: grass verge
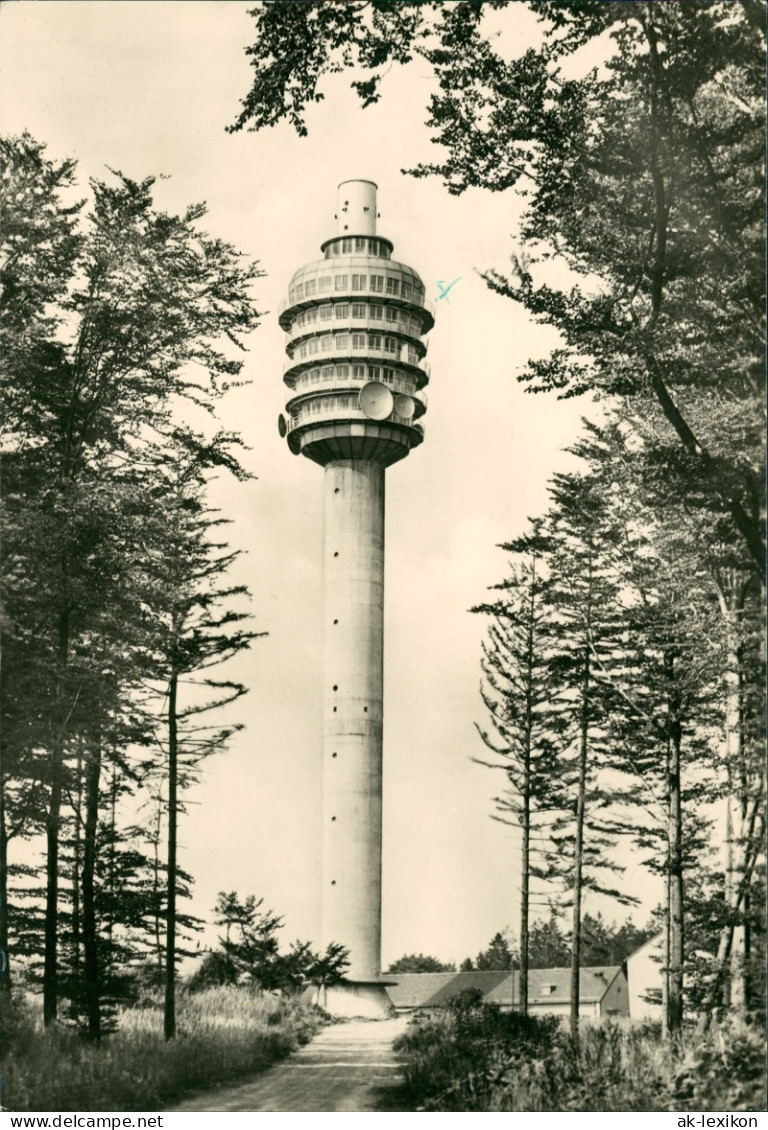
[223, 1034]
[472, 1057]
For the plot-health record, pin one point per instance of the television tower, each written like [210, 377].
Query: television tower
[354, 322]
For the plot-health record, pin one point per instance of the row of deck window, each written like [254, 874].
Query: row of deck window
[406, 382]
[342, 310]
[328, 404]
[377, 284]
[334, 343]
[351, 245]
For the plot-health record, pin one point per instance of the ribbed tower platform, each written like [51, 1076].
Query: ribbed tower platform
[354, 322]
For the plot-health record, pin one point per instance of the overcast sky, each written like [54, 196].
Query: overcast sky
[148, 88]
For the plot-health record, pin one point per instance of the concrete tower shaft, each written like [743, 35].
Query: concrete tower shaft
[352, 711]
[354, 322]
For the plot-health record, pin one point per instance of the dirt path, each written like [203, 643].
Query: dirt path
[348, 1067]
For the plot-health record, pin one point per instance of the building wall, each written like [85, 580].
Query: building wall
[616, 1000]
[645, 978]
[588, 1010]
[551, 1008]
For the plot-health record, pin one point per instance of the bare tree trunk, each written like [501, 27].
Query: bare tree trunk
[5, 961]
[732, 996]
[75, 1001]
[735, 991]
[170, 935]
[733, 593]
[111, 874]
[92, 980]
[754, 834]
[525, 817]
[667, 950]
[746, 964]
[579, 848]
[524, 900]
[156, 886]
[50, 969]
[52, 823]
[674, 858]
[729, 886]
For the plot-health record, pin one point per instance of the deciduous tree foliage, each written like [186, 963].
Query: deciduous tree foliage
[419, 963]
[644, 176]
[114, 323]
[680, 684]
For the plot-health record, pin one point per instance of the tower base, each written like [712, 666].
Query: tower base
[366, 1000]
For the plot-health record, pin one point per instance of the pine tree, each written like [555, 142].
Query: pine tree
[199, 629]
[250, 953]
[516, 691]
[548, 947]
[583, 600]
[498, 955]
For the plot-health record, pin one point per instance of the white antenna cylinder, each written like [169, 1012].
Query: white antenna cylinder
[356, 209]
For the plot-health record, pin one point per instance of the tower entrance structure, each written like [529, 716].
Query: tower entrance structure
[354, 321]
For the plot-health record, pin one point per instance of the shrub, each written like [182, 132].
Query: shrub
[724, 1071]
[471, 1057]
[456, 1057]
[216, 968]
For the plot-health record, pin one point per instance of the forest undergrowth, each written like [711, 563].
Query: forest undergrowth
[224, 1034]
[473, 1057]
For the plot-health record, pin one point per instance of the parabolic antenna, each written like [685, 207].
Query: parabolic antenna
[405, 406]
[282, 427]
[375, 400]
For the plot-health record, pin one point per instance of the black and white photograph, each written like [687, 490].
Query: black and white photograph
[382, 696]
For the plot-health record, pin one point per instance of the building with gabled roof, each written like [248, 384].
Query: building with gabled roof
[602, 990]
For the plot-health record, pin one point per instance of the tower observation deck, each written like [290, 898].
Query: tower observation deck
[354, 321]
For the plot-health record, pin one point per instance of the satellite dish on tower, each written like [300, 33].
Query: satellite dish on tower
[375, 400]
[405, 406]
[282, 426]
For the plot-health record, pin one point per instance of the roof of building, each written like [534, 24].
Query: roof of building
[555, 984]
[500, 986]
[416, 990]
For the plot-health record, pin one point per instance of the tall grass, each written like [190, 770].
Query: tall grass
[475, 1058]
[223, 1034]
